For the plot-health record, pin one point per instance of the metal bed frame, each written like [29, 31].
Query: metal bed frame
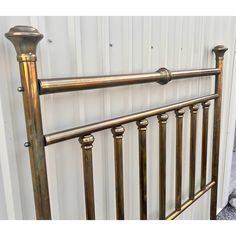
[25, 40]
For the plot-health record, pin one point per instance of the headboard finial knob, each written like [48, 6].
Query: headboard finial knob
[219, 51]
[25, 39]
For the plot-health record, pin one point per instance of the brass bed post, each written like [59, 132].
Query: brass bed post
[162, 118]
[205, 106]
[87, 145]
[192, 163]
[25, 40]
[178, 165]
[219, 53]
[142, 128]
[118, 132]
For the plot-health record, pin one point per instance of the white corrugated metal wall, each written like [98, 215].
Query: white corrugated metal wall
[75, 46]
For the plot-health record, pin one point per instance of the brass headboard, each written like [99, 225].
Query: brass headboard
[25, 40]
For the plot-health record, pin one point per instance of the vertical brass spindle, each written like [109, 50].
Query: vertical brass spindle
[193, 135]
[205, 107]
[142, 127]
[178, 176]
[86, 145]
[25, 40]
[118, 136]
[162, 165]
[219, 52]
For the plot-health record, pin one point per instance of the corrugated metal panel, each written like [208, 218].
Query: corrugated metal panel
[109, 45]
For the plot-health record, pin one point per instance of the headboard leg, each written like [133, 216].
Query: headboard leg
[25, 40]
[219, 52]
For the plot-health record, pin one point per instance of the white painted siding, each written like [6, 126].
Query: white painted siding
[110, 45]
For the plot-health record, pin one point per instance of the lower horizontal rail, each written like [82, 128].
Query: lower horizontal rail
[189, 202]
[91, 128]
[162, 76]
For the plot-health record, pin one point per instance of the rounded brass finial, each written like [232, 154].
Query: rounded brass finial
[179, 112]
[118, 131]
[206, 104]
[24, 38]
[194, 108]
[86, 141]
[219, 51]
[162, 117]
[142, 124]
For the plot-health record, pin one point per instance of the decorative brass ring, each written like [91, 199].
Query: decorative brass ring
[166, 76]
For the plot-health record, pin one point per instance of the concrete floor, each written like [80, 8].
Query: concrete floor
[233, 174]
[229, 212]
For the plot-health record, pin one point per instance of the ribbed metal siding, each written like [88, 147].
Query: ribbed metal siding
[108, 45]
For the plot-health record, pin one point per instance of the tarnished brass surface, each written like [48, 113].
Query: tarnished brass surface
[52, 85]
[189, 202]
[86, 145]
[91, 128]
[25, 40]
[205, 106]
[219, 52]
[162, 165]
[118, 152]
[142, 127]
[192, 163]
[178, 169]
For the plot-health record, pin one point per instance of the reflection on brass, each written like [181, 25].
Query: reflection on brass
[25, 40]
[193, 136]
[142, 127]
[95, 127]
[219, 52]
[205, 106]
[178, 174]
[162, 165]
[86, 145]
[56, 85]
[118, 150]
[189, 202]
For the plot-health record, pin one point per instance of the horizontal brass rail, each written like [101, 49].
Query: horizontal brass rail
[91, 128]
[162, 76]
[188, 203]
